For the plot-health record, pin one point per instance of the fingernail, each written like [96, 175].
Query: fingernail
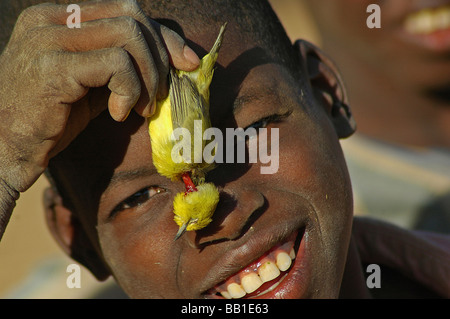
[123, 116]
[119, 106]
[190, 55]
[148, 110]
[152, 108]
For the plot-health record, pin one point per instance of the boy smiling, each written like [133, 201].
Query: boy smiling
[283, 235]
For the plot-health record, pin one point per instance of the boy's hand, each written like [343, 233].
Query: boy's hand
[47, 70]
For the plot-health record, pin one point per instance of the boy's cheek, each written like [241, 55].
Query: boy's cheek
[311, 162]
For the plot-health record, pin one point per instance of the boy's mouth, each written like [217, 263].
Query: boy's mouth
[263, 275]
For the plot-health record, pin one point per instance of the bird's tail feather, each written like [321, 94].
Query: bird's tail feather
[206, 69]
[209, 60]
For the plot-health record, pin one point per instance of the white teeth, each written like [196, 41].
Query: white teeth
[251, 282]
[283, 261]
[428, 20]
[235, 290]
[268, 271]
[442, 17]
[292, 253]
[225, 294]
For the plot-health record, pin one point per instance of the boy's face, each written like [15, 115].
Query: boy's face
[307, 203]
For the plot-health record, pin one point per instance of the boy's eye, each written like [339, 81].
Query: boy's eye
[275, 118]
[138, 198]
[259, 124]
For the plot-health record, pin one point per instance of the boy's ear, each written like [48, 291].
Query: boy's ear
[71, 236]
[327, 86]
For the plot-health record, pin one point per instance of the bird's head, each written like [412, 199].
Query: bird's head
[193, 210]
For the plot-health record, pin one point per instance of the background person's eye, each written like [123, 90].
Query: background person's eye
[138, 198]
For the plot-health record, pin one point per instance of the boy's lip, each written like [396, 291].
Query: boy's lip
[252, 250]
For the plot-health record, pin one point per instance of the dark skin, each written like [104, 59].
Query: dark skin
[134, 242]
[388, 72]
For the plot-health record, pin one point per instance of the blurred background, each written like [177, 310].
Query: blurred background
[31, 263]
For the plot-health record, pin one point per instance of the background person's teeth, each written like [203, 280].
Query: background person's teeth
[268, 271]
[421, 22]
[283, 261]
[251, 282]
[235, 290]
[442, 18]
[428, 21]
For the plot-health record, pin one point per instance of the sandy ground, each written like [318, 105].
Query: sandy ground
[31, 263]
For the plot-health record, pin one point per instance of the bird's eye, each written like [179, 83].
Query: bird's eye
[138, 198]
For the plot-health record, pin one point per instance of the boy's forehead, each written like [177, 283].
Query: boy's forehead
[236, 42]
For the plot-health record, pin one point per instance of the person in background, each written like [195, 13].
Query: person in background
[398, 80]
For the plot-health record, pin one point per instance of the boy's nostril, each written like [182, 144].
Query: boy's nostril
[234, 216]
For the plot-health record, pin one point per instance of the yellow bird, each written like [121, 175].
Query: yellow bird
[186, 105]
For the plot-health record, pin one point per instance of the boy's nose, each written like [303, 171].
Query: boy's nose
[235, 213]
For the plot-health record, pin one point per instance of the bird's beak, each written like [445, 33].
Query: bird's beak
[181, 231]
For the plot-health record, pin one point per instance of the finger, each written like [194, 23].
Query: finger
[46, 14]
[179, 53]
[122, 32]
[172, 46]
[182, 56]
[112, 67]
[164, 43]
[121, 14]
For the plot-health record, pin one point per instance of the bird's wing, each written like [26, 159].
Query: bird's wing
[187, 105]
